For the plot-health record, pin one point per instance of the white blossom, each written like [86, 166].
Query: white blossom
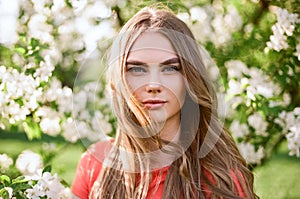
[260, 83]
[51, 94]
[47, 185]
[111, 3]
[258, 123]
[211, 23]
[183, 16]
[297, 53]
[255, 83]
[293, 138]
[50, 120]
[64, 100]
[60, 12]
[28, 163]
[67, 32]
[91, 89]
[232, 19]
[232, 104]
[51, 185]
[251, 155]
[70, 132]
[36, 192]
[236, 69]
[19, 92]
[101, 125]
[290, 123]
[97, 10]
[8, 22]
[79, 102]
[224, 25]
[238, 129]
[198, 14]
[14, 112]
[39, 28]
[5, 162]
[284, 27]
[45, 70]
[235, 87]
[66, 193]
[78, 5]
[278, 41]
[40, 6]
[287, 21]
[50, 126]
[10, 192]
[199, 21]
[61, 95]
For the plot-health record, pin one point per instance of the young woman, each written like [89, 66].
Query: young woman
[169, 143]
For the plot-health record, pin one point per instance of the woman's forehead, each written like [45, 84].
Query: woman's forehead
[152, 40]
[151, 46]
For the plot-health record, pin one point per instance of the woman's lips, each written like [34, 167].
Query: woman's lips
[154, 103]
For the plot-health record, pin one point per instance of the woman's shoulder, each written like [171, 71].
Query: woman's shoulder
[89, 167]
[99, 150]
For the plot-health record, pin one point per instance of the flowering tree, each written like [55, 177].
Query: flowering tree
[51, 75]
[34, 182]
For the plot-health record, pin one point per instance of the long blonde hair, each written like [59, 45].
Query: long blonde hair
[208, 148]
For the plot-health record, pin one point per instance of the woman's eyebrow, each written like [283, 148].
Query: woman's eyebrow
[135, 62]
[172, 60]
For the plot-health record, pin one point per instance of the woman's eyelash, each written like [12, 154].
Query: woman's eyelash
[138, 68]
[176, 68]
[135, 69]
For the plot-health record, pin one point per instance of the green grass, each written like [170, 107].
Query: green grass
[64, 163]
[278, 178]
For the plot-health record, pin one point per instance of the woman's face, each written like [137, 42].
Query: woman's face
[153, 74]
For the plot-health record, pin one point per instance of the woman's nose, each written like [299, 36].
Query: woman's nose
[153, 87]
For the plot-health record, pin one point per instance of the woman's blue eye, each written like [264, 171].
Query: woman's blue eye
[171, 68]
[136, 69]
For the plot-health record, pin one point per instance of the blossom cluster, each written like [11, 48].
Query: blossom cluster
[283, 29]
[53, 34]
[213, 23]
[251, 155]
[48, 185]
[250, 90]
[19, 94]
[64, 25]
[246, 86]
[22, 95]
[5, 162]
[290, 123]
[90, 115]
[39, 183]
[251, 81]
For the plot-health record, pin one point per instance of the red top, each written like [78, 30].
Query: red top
[90, 165]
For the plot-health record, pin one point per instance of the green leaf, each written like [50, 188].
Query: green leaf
[20, 50]
[4, 179]
[65, 183]
[32, 130]
[47, 169]
[34, 43]
[19, 179]
[20, 186]
[4, 193]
